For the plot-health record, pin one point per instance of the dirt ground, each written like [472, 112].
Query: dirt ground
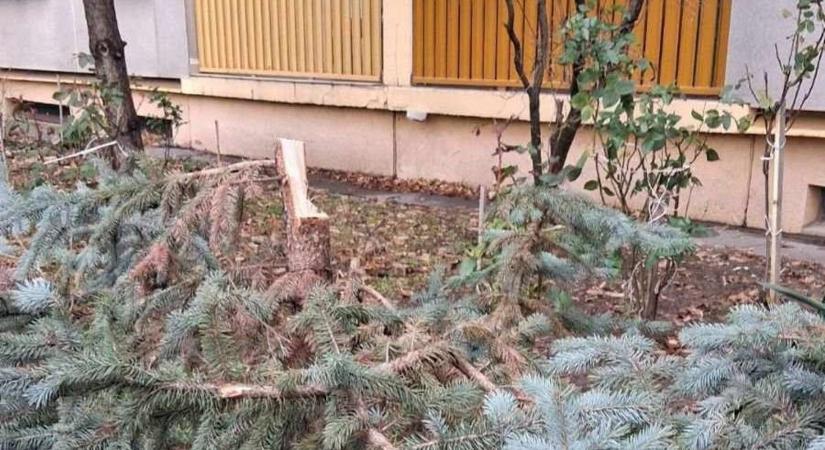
[398, 245]
[709, 283]
[705, 287]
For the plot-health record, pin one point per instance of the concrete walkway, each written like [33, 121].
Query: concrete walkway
[794, 247]
[802, 248]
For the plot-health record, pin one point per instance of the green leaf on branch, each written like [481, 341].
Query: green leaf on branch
[654, 142]
[624, 87]
[610, 97]
[580, 100]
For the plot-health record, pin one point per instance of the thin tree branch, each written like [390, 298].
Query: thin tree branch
[631, 16]
[231, 391]
[518, 51]
[474, 374]
[543, 48]
[237, 167]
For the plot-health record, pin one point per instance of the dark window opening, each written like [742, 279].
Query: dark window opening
[815, 210]
[156, 131]
[43, 112]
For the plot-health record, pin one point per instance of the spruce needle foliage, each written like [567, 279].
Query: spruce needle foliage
[539, 239]
[126, 329]
[123, 326]
[755, 382]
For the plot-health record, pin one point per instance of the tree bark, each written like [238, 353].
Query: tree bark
[107, 49]
[562, 137]
[532, 85]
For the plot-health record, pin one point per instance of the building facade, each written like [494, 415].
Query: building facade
[412, 88]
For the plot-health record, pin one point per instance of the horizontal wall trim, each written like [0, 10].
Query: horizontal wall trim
[68, 78]
[436, 81]
[447, 101]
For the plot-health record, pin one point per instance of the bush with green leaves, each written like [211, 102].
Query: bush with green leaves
[641, 146]
[643, 152]
[646, 156]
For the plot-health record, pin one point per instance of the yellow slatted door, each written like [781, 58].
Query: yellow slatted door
[205, 47]
[706, 43]
[518, 26]
[476, 37]
[653, 38]
[503, 46]
[529, 31]
[721, 48]
[489, 38]
[690, 50]
[559, 11]
[465, 32]
[464, 42]
[686, 61]
[333, 39]
[418, 41]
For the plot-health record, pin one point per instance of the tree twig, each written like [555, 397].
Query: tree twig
[229, 391]
[385, 302]
[237, 167]
[81, 153]
[378, 440]
[474, 374]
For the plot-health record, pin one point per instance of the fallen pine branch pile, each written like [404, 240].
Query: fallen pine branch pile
[122, 325]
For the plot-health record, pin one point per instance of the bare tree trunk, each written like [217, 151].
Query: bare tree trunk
[532, 86]
[107, 48]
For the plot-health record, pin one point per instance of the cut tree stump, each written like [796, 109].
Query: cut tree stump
[307, 228]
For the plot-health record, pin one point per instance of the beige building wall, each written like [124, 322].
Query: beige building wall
[394, 128]
[458, 148]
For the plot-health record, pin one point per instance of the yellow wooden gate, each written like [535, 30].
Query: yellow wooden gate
[333, 39]
[464, 42]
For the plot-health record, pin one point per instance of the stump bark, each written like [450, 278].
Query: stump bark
[307, 228]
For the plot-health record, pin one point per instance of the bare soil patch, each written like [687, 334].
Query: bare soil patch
[399, 245]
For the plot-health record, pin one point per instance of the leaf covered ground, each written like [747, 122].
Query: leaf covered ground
[398, 245]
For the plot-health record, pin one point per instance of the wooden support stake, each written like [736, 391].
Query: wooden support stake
[3, 112]
[482, 215]
[60, 108]
[307, 228]
[775, 203]
[218, 143]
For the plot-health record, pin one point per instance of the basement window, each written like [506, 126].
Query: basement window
[815, 210]
[156, 131]
[44, 112]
